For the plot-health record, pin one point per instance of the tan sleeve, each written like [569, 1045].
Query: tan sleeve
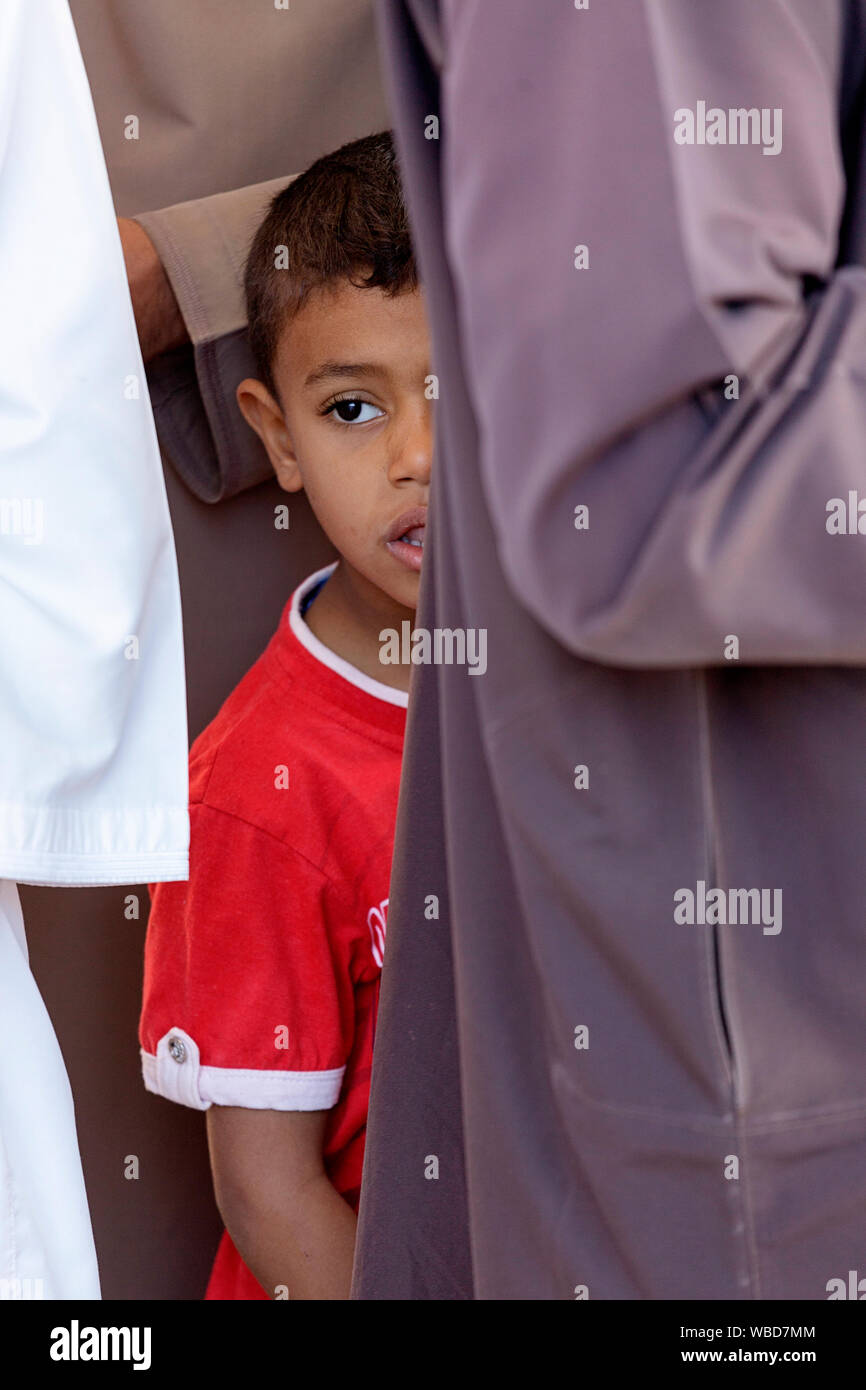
[203, 246]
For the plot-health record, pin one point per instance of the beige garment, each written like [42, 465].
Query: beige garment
[203, 246]
[226, 95]
[227, 92]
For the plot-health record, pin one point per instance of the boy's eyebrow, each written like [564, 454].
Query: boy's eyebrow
[328, 370]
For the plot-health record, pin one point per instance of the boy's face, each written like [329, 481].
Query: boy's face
[356, 432]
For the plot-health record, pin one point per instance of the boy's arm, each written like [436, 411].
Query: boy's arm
[249, 1014]
[288, 1222]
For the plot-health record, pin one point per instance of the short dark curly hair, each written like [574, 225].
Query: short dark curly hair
[343, 218]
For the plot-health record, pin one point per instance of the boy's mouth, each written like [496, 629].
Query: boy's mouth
[405, 537]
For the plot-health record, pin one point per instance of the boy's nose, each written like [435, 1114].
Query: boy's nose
[415, 457]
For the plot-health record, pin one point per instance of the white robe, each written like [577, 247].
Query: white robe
[93, 742]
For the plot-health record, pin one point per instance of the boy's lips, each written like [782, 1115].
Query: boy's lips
[405, 537]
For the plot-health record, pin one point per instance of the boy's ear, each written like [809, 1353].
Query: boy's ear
[263, 414]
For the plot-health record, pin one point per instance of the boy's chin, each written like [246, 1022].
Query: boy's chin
[405, 592]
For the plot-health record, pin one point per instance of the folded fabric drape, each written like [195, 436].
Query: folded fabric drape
[93, 746]
[92, 697]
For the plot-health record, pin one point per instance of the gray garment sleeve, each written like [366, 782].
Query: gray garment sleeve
[695, 376]
[203, 246]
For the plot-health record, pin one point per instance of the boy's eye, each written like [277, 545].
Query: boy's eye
[350, 410]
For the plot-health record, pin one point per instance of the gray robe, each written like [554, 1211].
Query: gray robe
[577, 1091]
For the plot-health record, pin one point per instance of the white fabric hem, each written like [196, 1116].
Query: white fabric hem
[58, 846]
[179, 1076]
[68, 871]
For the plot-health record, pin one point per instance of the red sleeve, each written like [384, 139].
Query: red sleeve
[248, 996]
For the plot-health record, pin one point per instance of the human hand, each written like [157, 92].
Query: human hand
[158, 318]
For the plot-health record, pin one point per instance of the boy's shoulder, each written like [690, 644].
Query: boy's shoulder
[298, 749]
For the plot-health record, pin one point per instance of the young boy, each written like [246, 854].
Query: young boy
[262, 972]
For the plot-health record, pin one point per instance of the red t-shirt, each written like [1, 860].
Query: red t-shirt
[262, 971]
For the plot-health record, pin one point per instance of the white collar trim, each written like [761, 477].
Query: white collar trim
[350, 673]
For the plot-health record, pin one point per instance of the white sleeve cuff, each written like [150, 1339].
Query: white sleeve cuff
[177, 1074]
